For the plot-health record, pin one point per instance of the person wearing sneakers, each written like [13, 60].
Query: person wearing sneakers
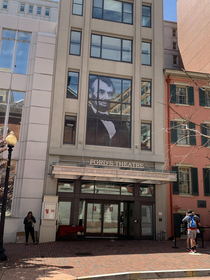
[191, 219]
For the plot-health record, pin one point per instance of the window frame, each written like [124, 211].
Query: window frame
[70, 115]
[144, 5]
[174, 32]
[149, 53]
[77, 4]
[77, 85]
[150, 124]
[147, 81]
[37, 9]
[79, 44]
[47, 9]
[32, 9]
[22, 5]
[180, 96]
[187, 137]
[16, 40]
[5, 7]
[102, 18]
[121, 48]
[190, 180]
[174, 44]
[175, 57]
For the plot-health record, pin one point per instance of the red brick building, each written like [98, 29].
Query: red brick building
[187, 122]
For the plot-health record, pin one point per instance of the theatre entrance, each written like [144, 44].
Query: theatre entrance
[109, 219]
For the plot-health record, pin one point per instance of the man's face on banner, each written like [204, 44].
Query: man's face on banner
[105, 93]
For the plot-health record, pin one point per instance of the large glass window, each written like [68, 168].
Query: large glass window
[64, 213]
[113, 10]
[146, 53]
[66, 186]
[109, 112]
[69, 129]
[11, 106]
[77, 7]
[111, 48]
[146, 16]
[73, 83]
[75, 43]
[97, 187]
[181, 95]
[145, 136]
[18, 42]
[145, 93]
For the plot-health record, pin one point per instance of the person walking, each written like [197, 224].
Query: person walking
[191, 219]
[29, 223]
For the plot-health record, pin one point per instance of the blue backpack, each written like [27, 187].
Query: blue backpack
[192, 222]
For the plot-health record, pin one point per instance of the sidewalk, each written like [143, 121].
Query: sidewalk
[70, 260]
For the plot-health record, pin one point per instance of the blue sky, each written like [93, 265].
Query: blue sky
[169, 10]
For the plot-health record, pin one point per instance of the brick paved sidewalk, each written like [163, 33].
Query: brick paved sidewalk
[69, 260]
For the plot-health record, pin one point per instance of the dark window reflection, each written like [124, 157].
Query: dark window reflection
[75, 44]
[145, 93]
[146, 16]
[147, 190]
[69, 130]
[146, 136]
[109, 112]
[73, 83]
[146, 53]
[111, 48]
[113, 10]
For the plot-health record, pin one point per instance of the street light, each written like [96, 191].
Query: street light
[11, 140]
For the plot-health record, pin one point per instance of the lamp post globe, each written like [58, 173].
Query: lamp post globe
[11, 140]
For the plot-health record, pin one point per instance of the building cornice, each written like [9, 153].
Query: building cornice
[182, 74]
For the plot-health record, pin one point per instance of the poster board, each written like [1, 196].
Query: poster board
[49, 212]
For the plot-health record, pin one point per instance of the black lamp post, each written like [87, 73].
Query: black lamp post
[11, 140]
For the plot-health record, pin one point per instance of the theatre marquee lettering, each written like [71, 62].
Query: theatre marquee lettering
[114, 163]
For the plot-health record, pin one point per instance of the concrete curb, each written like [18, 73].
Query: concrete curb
[150, 275]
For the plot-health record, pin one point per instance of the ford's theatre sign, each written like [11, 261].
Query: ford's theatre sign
[116, 163]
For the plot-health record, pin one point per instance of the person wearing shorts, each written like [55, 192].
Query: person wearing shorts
[192, 231]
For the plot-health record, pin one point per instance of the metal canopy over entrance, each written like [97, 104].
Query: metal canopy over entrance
[115, 175]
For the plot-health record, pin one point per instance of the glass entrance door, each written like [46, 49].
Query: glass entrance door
[102, 219]
[147, 221]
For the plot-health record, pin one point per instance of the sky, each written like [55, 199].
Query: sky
[169, 10]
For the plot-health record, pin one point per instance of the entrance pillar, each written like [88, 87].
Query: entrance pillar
[137, 220]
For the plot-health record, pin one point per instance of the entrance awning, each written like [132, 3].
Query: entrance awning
[115, 175]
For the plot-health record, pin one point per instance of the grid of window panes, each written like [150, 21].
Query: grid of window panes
[145, 93]
[146, 136]
[184, 181]
[22, 7]
[111, 48]
[146, 16]
[174, 45]
[69, 129]
[175, 59]
[30, 9]
[77, 7]
[73, 84]
[39, 10]
[182, 134]
[147, 190]
[14, 41]
[11, 106]
[47, 12]
[75, 43]
[97, 187]
[146, 53]
[109, 112]
[181, 95]
[5, 4]
[113, 10]
[207, 99]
